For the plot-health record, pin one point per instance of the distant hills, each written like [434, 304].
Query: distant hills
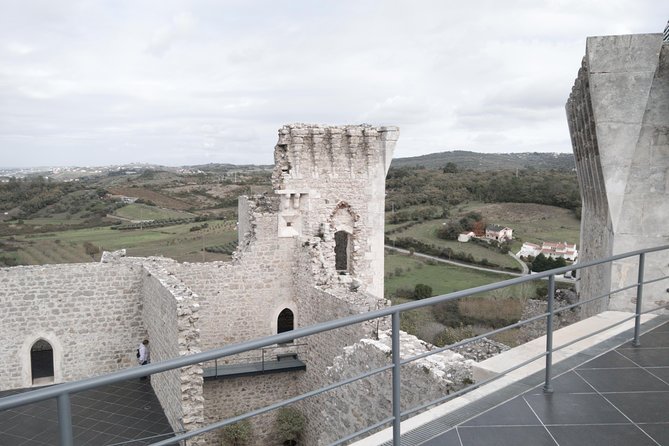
[463, 159]
[489, 161]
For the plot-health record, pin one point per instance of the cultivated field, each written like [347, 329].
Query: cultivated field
[177, 242]
[137, 211]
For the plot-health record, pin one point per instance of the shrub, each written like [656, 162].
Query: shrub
[236, 434]
[422, 291]
[289, 425]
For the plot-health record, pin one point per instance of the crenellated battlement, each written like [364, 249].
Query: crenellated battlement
[307, 152]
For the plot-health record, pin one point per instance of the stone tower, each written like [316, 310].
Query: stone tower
[618, 114]
[331, 184]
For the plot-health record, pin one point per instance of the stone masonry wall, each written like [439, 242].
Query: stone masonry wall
[327, 173]
[89, 313]
[368, 401]
[171, 312]
[225, 398]
[328, 301]
[241, 300]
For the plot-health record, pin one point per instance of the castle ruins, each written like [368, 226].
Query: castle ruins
[310, 252]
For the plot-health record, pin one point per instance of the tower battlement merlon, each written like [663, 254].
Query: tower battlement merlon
[307, 152]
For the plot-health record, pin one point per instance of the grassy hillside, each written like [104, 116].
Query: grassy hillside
[490, 161]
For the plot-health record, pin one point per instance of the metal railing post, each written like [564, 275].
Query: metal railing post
[639, 300]
[549, 333]
[65, 419]
[396, 378]
[262, 359]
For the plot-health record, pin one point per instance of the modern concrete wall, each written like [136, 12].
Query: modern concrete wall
[618, 114]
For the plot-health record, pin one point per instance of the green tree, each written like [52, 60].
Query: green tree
[450, 167]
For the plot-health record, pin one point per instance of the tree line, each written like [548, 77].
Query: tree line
[442, 188]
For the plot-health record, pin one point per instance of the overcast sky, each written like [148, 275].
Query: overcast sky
[176, 82]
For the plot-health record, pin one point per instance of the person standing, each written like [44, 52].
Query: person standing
[143, 355]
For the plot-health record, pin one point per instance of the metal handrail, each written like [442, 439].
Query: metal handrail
[62, 391]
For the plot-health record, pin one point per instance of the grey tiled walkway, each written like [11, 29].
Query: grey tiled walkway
[620, 398]
[126, 412]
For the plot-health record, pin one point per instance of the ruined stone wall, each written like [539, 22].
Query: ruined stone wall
[170, 312]
[241, 300]
[618, 117]
[369, 401]
[332, 179]
[89, 313]
[328, 300]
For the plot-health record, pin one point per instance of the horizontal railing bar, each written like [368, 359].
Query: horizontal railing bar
[473, 339]
[145, 438]
[655, 309]
[581, 302]
[61, 390]
[271, 407]
[601, 330]
[473, 386]
[364, 431]
[659, 279]
[187, 360]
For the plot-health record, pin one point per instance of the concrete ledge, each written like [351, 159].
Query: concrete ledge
[506, 360]
[497, 364]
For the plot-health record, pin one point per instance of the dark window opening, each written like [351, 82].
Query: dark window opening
[41, 360]
[286, 321]
[341, 250]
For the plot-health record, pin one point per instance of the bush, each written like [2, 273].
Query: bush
[422, 291]
[236, 434]
[289, 425]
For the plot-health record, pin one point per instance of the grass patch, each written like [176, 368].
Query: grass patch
[450, 322]
[137, 211]
[443, 278]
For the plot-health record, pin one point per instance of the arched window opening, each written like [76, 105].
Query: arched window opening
[286, 321]
[342, 242]
[41, 362]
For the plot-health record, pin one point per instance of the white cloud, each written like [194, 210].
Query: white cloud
[181, 83]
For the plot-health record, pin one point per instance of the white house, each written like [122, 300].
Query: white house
[549, 249]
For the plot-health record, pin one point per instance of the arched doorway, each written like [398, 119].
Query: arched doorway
[41, 362]
[285, 321]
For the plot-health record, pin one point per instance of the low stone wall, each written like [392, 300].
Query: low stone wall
[89, 313]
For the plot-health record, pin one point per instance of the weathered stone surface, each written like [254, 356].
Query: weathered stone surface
[618, 114]
[328, 179]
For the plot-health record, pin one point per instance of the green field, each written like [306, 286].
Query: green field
[429, 323]
[534, 223]
[530, 223]
[137, 211]
[443, 278]
[176, 242]
[426, 232]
